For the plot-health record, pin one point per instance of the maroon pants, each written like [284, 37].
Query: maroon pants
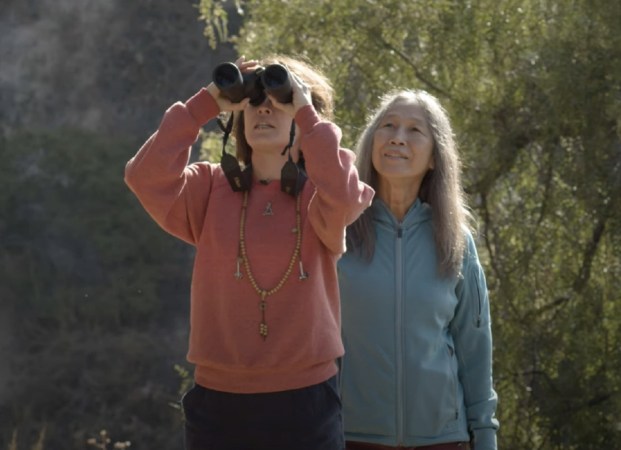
[351, 445]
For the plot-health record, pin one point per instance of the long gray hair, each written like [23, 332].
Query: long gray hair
[441, 187]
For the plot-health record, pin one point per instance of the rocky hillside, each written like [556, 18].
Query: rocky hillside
[101, 65]
[82, 83]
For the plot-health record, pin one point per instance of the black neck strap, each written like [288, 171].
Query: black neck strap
[240, 180]
[227, 131]
[291, 139]
[292, 176]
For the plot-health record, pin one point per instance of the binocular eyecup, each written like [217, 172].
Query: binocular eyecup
[234, 85]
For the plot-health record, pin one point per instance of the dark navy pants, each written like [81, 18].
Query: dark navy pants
[300, 419]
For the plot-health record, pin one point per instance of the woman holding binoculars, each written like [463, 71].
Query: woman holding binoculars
[265, 312]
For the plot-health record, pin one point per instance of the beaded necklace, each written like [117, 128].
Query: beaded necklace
[243, 256]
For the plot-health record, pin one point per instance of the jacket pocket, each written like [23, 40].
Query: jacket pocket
[454, 379]
[433, 395]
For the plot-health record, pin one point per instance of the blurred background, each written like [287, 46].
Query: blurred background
[94, 296]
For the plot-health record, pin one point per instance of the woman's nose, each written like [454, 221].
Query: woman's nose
[265, 107]
[398, 137]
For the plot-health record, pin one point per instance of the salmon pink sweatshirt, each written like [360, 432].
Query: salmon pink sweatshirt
[196, 204]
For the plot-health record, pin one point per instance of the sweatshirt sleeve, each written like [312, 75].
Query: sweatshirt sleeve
[471, 329]
[173, 193]
[340, 196]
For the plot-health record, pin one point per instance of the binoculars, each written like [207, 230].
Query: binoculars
[234, 85]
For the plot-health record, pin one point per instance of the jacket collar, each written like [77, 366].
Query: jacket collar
[418, 212]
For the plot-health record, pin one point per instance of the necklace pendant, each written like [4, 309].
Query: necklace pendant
[303, 274]
[262, 308]
[238, 275]
[263, 330]
[268, 210]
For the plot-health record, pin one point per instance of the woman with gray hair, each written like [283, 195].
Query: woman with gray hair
[417, 370]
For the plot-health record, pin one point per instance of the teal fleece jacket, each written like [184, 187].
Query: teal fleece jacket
[417, 368]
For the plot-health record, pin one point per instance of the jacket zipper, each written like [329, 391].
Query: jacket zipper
[399, 333]
[478, 319]
[451, 352]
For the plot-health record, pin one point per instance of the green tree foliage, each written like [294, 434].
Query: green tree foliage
[89, 295]
[534, 90]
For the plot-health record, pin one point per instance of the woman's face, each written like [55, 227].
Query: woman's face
[266, 128]
[403, 143]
